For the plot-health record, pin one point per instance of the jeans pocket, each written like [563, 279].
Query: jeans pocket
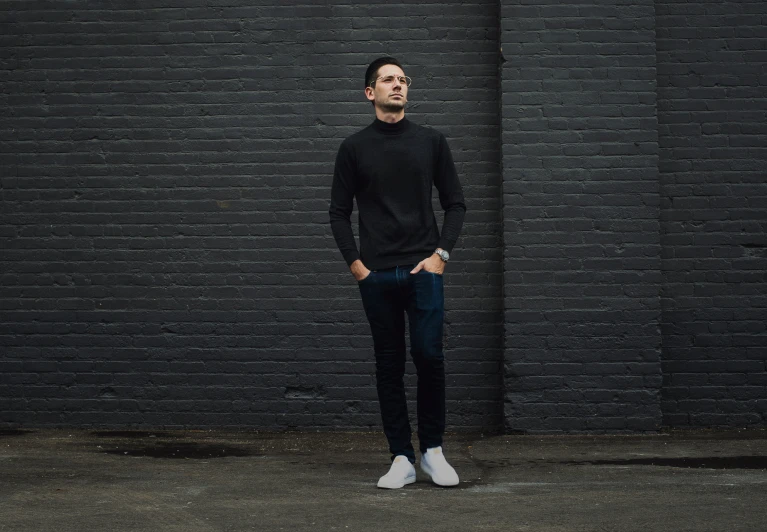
[369, 275]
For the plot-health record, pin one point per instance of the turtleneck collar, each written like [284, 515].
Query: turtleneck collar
[397, 128]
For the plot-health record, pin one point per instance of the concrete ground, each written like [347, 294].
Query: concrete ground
[74, 480]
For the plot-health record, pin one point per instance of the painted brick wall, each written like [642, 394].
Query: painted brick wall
[712, 123]
[580, 215]
[166, 255]
[166, 167]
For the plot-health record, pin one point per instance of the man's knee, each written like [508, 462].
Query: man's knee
[390, 364]
[427, 353]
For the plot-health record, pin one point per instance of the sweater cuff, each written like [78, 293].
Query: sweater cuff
[351, 257]
[444, 244]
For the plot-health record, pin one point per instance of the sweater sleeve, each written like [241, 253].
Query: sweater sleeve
[450, 196]
[342, 204]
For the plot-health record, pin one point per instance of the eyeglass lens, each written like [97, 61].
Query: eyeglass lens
[404, 80]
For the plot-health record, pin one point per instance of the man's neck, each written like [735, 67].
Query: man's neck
[389, 117]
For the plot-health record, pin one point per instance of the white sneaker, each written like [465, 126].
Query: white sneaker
[402, 472]
[433, 463]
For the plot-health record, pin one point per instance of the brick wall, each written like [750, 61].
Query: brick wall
[166, 167]
[166, 254]
[580, 215]
[712, 124]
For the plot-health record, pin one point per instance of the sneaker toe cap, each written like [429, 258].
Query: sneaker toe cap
[446, 479]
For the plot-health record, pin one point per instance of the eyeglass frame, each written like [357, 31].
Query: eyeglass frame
[408, 79]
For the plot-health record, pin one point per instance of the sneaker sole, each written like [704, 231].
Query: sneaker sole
[426, 470]
[408, 480]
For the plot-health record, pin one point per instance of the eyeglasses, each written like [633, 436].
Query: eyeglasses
[388, 80]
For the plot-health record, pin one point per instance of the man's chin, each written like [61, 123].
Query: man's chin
[393, 106]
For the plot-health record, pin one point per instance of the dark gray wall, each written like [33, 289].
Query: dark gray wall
[712, 116]
[580, 195]
[166, 254]
[166, 174]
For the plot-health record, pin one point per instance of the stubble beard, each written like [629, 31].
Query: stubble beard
[393, 106]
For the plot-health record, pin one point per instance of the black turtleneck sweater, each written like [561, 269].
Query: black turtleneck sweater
[390, 169]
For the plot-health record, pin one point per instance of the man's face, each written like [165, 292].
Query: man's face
[388, 92]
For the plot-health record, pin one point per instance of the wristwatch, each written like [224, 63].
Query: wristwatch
[444, 255]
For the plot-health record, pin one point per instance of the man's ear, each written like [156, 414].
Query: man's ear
[369, 94]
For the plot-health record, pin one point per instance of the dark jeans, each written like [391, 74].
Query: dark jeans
[386, 296]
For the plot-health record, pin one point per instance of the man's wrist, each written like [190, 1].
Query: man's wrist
[442, 254]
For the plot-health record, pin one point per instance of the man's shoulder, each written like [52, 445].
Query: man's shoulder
[426, 131]
[365, 134]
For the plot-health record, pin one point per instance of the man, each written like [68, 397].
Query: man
[390, 167]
